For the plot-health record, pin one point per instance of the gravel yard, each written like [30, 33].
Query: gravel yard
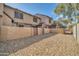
[58, 44]
[11, 46]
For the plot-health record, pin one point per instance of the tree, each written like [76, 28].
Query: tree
[59, 9]
[67, 10]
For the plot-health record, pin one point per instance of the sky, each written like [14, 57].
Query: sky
[34, 8]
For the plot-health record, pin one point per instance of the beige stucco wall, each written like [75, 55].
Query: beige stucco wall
[26, 18]
[44, 19]
[74, 32]
[6, 21]
[78, 33]
[1, 13]
[1, 9]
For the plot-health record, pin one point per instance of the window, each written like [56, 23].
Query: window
[19, 15]
[34, 19]
[49, 21]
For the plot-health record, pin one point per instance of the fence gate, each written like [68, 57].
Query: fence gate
[42, 30]
[35, 31]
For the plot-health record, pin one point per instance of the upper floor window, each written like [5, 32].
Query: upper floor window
[49, 21]
[19, 15]
[34, 19]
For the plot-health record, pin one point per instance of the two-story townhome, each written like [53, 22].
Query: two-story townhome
[46, 21]
[16, 17]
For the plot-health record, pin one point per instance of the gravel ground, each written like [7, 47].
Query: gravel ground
[11, 46]
[56, 45]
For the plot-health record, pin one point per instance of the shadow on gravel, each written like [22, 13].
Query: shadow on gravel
[11, 46]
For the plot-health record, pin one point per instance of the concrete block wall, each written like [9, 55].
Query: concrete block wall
[4, 32]
[10, 33]
[39, 31]
[46, 30]
[60, 30]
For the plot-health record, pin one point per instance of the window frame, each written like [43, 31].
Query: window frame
[35, 20]
[49, 21]
[18, 15]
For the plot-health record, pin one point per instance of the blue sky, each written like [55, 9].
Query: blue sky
[34, 8]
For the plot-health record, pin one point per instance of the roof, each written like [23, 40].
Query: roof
[27, 13]
[37, 17]
[44, 15]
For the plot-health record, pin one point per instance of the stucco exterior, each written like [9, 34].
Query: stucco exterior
[76, 32]
[27, 18]
[46, 20]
